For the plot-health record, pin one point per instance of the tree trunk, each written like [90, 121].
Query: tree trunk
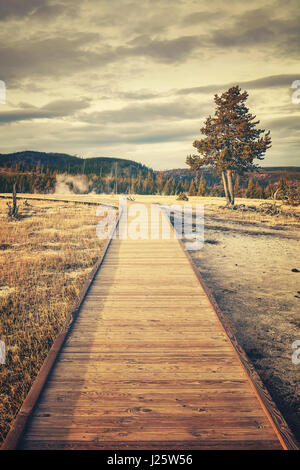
[230, 187]
[14, 200]
[225, 187]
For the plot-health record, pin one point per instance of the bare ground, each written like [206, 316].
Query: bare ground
[249, 266]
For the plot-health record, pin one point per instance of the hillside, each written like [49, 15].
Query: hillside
[265, 175]
[64, 163]
[273, 174]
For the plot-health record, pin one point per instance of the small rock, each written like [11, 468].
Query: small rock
[295, 270]
[4, 246]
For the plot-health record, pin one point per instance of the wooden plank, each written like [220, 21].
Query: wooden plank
[91, 442]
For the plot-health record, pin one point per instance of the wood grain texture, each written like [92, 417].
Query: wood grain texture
[147, 365]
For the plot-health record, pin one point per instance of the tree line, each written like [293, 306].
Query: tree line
[36, 181]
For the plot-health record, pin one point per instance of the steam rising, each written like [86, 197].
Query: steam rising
[71, 184]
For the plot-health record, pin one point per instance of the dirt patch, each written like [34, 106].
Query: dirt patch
[6, 290]
[253, 274]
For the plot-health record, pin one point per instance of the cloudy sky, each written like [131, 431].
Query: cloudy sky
[136, 78]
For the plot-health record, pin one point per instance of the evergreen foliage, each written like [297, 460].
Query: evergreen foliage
[232, 140]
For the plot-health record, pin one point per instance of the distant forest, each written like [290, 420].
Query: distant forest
[37, 172]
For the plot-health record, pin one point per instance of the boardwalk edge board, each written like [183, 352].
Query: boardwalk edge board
[280, 426]
[17, 429]
[75, 201]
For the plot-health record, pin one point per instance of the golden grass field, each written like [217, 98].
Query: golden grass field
[44, 260]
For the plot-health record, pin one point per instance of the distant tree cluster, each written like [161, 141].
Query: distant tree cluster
[27, 182]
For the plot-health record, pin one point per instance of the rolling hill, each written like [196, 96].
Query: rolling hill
[64, 163]
[265, 174]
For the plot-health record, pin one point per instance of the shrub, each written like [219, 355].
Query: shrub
[182, 197]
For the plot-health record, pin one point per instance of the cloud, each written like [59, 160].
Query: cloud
[175, 110]
[139, 95]
[54, 109]
[271, 81]
[262, 30]
[239, 39]
[285, 124]
[133, 133]
[21, 8]
[163, 50]
[200, 17]
[268, 82]
[48, 57]
[77, 53]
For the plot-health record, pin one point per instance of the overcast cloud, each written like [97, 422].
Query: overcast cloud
[136, 79]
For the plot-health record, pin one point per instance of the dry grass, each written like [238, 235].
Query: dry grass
[44, 260]
[216, 206]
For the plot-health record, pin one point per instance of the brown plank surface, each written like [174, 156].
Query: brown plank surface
[146, 365]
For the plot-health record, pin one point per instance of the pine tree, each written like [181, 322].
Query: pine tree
[192, 189]
[179, 188]
[250, 192]
[167, 189]
[202, 189]
[259, 192]
[268, 191]
[215, 190]
[231, 140]
[48, 187]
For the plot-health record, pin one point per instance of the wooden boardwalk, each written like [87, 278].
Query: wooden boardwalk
[147, 365]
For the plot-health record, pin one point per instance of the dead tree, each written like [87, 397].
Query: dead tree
[13, 209]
